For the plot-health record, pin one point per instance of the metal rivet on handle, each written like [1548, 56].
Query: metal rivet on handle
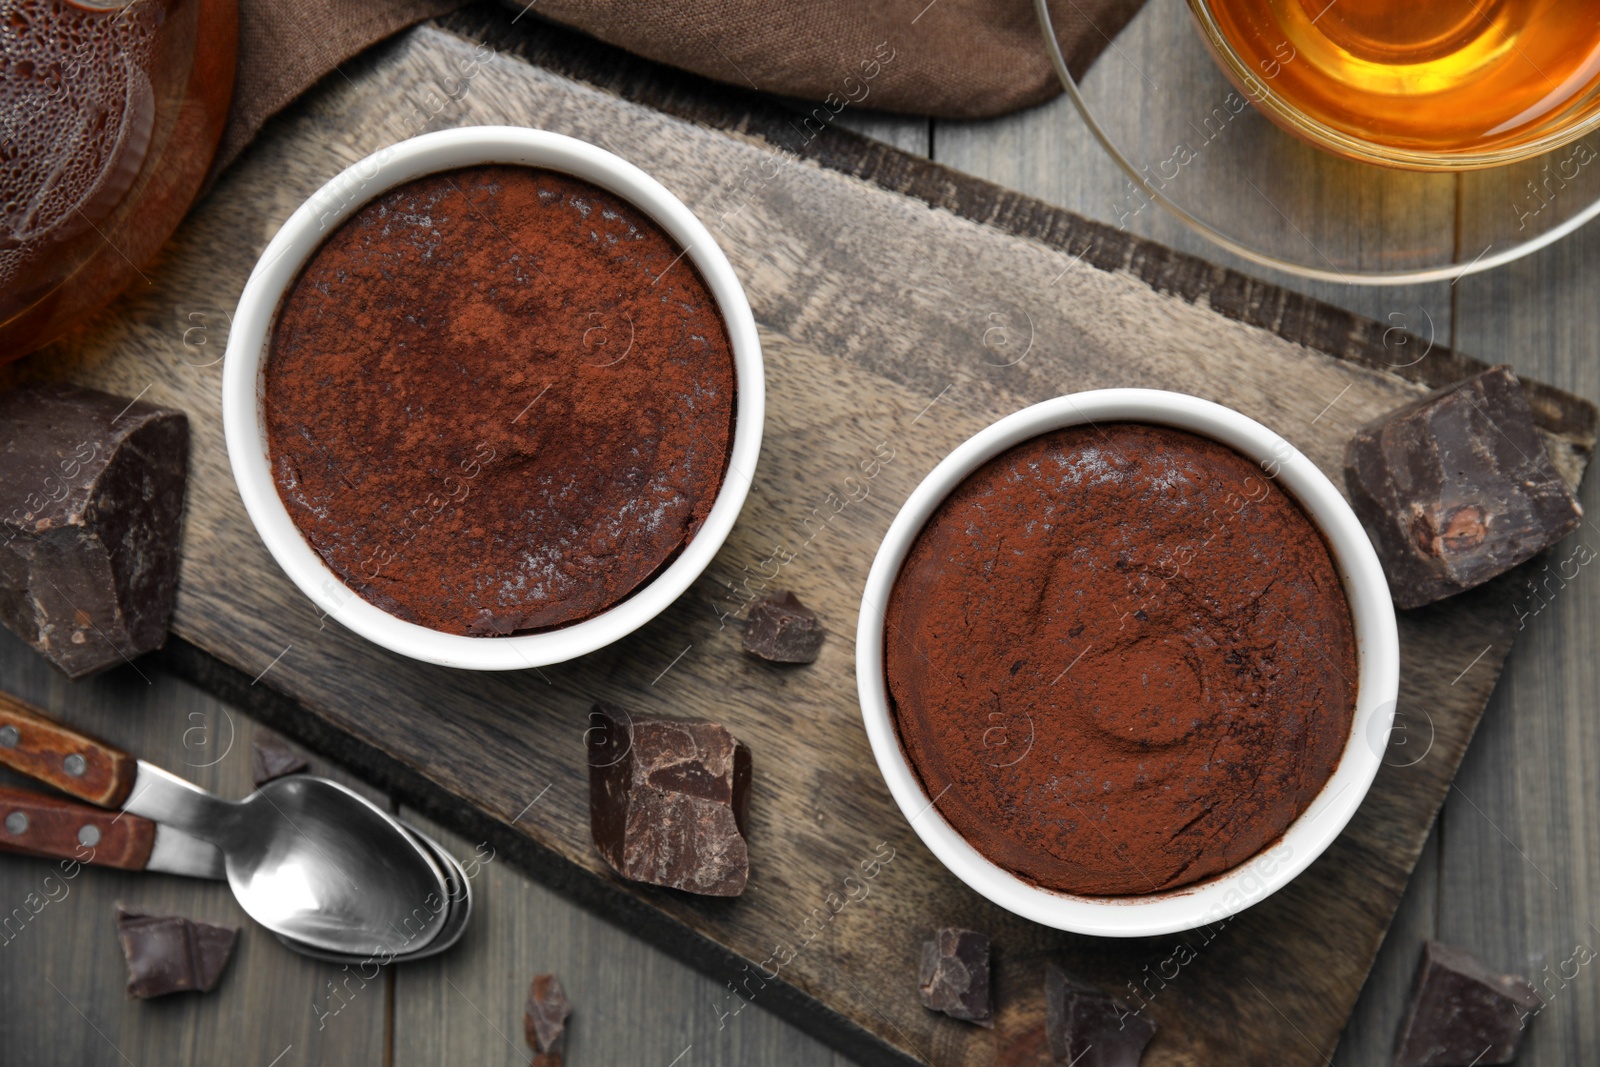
[75, 765]
[17, 822]
[88, 835]
[9, 736]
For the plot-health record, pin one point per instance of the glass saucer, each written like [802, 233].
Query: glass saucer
[1192, 144]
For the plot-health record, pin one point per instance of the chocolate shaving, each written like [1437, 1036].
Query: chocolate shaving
[780, 629]
[667, 801]
[172, 954]
[954, 976]
[1457, 488]
[1463, 1013]
[545, 1020]
[91, 512]
[271, 756]
[1088, 1027]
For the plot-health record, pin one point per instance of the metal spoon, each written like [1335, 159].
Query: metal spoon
[458, 906]
[310, 860]
[306, 857]
[42, 824]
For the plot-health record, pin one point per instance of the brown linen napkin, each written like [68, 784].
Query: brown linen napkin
[948, 58]
[286, 46]
[959, 59]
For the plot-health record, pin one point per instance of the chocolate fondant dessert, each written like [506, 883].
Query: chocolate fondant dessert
[1120, 659]
[499, 400]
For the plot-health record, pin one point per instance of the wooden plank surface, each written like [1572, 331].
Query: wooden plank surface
[824, 324]
[62, 975]
[1520, 857]
[1519, 873]
[633, 1004]
[62, 971]
[1049, 152]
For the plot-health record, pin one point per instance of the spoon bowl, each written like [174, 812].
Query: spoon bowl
[312, 861]
[307, 858]
[458, 907]
[319, 859]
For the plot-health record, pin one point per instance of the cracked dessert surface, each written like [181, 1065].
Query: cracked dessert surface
[1121, 659]
[499, 400]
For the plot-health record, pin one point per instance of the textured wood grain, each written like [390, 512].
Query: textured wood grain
[632, 1004]
[884, 323]
[1369, 1036]
[1522, 804]
[1520, 863]
[1401, 331]
[57, 827]
[633, 1001]
[44, 750]
[905, 132]
[1049, 152]
[62, 975]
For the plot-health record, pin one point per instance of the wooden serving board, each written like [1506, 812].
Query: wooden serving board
[902, 308]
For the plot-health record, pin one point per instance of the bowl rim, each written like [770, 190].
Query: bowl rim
[1378, 671]
[1278, 107]
[280, 264]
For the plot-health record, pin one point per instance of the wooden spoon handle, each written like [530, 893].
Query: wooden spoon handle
[35, 745]
[42, 825]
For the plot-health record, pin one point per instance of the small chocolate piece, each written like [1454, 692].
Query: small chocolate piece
[545, 1020]
[171, 954]
[1462, 1013]
[1456, 488]
[1088, 1027]
[273, 757]
[954, 977]
[91, 509]
[667, 801]
[780, 629]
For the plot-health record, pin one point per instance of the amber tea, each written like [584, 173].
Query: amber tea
[1467, 81]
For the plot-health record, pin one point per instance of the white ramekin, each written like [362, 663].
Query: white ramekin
[1377, 644]
[277, 269]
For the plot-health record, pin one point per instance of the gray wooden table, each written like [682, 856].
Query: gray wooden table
[1512, 871]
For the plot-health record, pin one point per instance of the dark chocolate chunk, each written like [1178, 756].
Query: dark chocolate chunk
[780, 629]
[91, 509]
[273, 757]
[1462, 1013]
[171, 954]
[545, 1020]
[1088, 1027]
[954, 977]
[1456, 488]
[667, 801]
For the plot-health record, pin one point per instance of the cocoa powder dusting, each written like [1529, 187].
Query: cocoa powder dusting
[498, 400]
[1128, 655]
